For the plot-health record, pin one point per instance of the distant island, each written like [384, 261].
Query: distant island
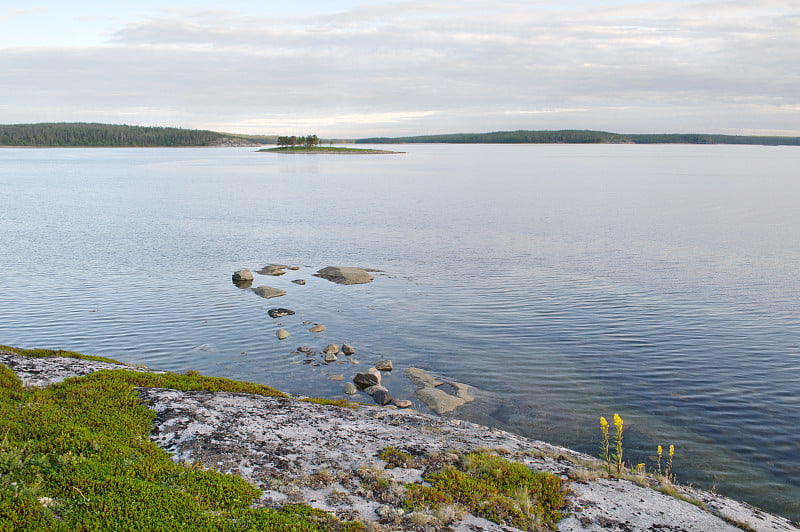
[63, 134]
[576, 136]
[323, 149]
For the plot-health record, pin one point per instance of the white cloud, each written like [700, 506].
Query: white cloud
[439, 66]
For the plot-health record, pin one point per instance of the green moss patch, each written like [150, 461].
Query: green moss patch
[77, 456]
[506, 492]
[41, 353]
[341, 403]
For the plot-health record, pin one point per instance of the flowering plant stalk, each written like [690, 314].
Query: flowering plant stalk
[604, 445]
[618, 455]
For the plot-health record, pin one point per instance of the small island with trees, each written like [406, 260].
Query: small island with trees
[311, 144]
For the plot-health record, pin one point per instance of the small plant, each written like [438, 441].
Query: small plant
[618, 423]
[395, 458]
[604, 445]
[660, 450]
[669, 462]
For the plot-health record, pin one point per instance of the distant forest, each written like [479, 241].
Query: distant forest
[574, 136]
[108, 135]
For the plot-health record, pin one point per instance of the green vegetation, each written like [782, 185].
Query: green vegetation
[322, 149]
[112, 135]
[395, 458]
[77, 456]
[572, 136]
[489, 486]
[41, 353]
[341, 403]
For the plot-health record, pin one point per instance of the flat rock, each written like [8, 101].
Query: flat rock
[317, 328]
[299, 281]
[268, 292]
[279, 312]
[402, 403]
[384, 365]
[304, 349]
[273, 269]
[282, 334]
[344, 275]
[429, 391]
[348, 349]
[422, 378]
[336, 378]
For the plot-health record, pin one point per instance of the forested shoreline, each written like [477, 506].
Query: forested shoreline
[112, 135]
[574, 136]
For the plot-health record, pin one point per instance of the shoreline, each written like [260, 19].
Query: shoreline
[282, 444]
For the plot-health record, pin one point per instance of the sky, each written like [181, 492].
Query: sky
[358, 68]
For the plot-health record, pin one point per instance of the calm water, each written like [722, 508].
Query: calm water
[562, 282]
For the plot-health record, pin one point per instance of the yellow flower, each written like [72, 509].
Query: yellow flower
[660, 451]
[617, 421]
[603, 422]
[671, 450]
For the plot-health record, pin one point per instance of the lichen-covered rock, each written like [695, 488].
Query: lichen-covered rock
[345, 275]
[350, 388]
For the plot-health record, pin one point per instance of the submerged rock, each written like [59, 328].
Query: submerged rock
[370, 390]
[429, 391]
[268, 292]
[279, 312]
[344, 275]
[317, 328]
[336, 378]
[299, 281]
[273, 269]
[282, 334]
[304, 349]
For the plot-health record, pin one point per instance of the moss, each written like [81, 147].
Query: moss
[77, 456]
[505, 492]
[42, 353]
[341, 403]
[395, 458]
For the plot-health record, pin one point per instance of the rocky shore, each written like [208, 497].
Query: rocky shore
[327, 456]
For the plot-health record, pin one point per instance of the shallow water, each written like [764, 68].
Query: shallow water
[564, 282]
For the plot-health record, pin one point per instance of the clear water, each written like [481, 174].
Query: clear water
[563, 282]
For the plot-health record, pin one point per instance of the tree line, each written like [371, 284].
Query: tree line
[112, 135]
[308, 141]
[573, 136]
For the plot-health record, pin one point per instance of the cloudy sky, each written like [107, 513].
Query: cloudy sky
[368, 67]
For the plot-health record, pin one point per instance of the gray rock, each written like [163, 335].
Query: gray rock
[348, 349]
[330, 357]
[384, 365]
[422, 378]
[299, 281]
[282, 334]
[331, 348]
[268, 292]
[344, 275]
[304, 349]
[336, 378]
[350, 388]
[242, 276]
[382, 397]
[279, 312]
[317, 328]
[435, 398]
[370, 390]
[273, 269]
[367, 378]
[401, 403]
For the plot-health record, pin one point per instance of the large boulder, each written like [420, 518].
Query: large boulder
[382, 397]
[241, 276]
[267, 291]
[368, 378]
[345, 275]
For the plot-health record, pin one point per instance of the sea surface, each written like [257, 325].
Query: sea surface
[562, 282]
